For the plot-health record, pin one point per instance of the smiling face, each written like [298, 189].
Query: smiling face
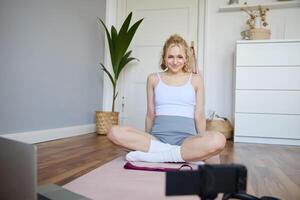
[175, 58]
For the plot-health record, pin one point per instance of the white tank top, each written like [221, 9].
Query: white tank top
[175, 100]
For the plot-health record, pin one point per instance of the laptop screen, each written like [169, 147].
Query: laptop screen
[18, 173]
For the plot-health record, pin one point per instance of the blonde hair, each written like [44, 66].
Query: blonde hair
[178, 41]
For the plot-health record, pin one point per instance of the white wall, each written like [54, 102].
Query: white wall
[49, 63]
[222, 30]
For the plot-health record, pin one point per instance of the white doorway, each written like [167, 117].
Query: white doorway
[161, 19]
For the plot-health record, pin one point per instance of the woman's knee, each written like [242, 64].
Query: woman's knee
[217, 142]
[116, 133]
[200, 147]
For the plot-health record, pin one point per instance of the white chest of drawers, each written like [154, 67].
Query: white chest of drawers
[267, 92]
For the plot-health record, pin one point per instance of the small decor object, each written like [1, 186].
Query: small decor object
[245, 35]
[233, 2]
[257, 24]
[220, 124]
[118, 43]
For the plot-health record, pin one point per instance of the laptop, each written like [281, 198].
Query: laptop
[18, 175]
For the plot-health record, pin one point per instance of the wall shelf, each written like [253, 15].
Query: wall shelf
[272, 5]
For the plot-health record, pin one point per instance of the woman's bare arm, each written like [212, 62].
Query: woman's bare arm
[150, 103]
[200, 120]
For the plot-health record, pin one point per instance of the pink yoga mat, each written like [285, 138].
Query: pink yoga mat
[112, 182]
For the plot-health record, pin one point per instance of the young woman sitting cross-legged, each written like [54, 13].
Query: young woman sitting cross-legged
[175, 120]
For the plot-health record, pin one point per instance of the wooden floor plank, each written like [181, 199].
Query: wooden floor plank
[272, 169]
[64, 160]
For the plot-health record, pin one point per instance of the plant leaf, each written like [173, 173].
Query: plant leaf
[124, 58]
[108, 73]
[124, 40]
[109, 39]
[123, 64]
[133, 29]
[123, 31]
[114, 38]
[126, 24]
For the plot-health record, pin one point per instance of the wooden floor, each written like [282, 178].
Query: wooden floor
[272, 169]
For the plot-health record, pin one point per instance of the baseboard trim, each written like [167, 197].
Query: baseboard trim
[281, 141]
[33, 137]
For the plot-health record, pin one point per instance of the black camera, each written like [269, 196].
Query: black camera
[207, 181]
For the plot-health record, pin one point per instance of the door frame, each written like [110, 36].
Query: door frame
[114, 11]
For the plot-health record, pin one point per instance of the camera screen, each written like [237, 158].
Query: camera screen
[207, 180]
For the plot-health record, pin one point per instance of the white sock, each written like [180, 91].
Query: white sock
[197, 162]
[157, 146]
[171, 155]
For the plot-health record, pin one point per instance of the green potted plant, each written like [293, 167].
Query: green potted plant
[118, 43]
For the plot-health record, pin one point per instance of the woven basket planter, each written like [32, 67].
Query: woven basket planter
[105, 120]
[222, 126]
[259, 34]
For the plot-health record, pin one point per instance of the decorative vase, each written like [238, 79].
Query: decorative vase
[105, 120]
[257, 22]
